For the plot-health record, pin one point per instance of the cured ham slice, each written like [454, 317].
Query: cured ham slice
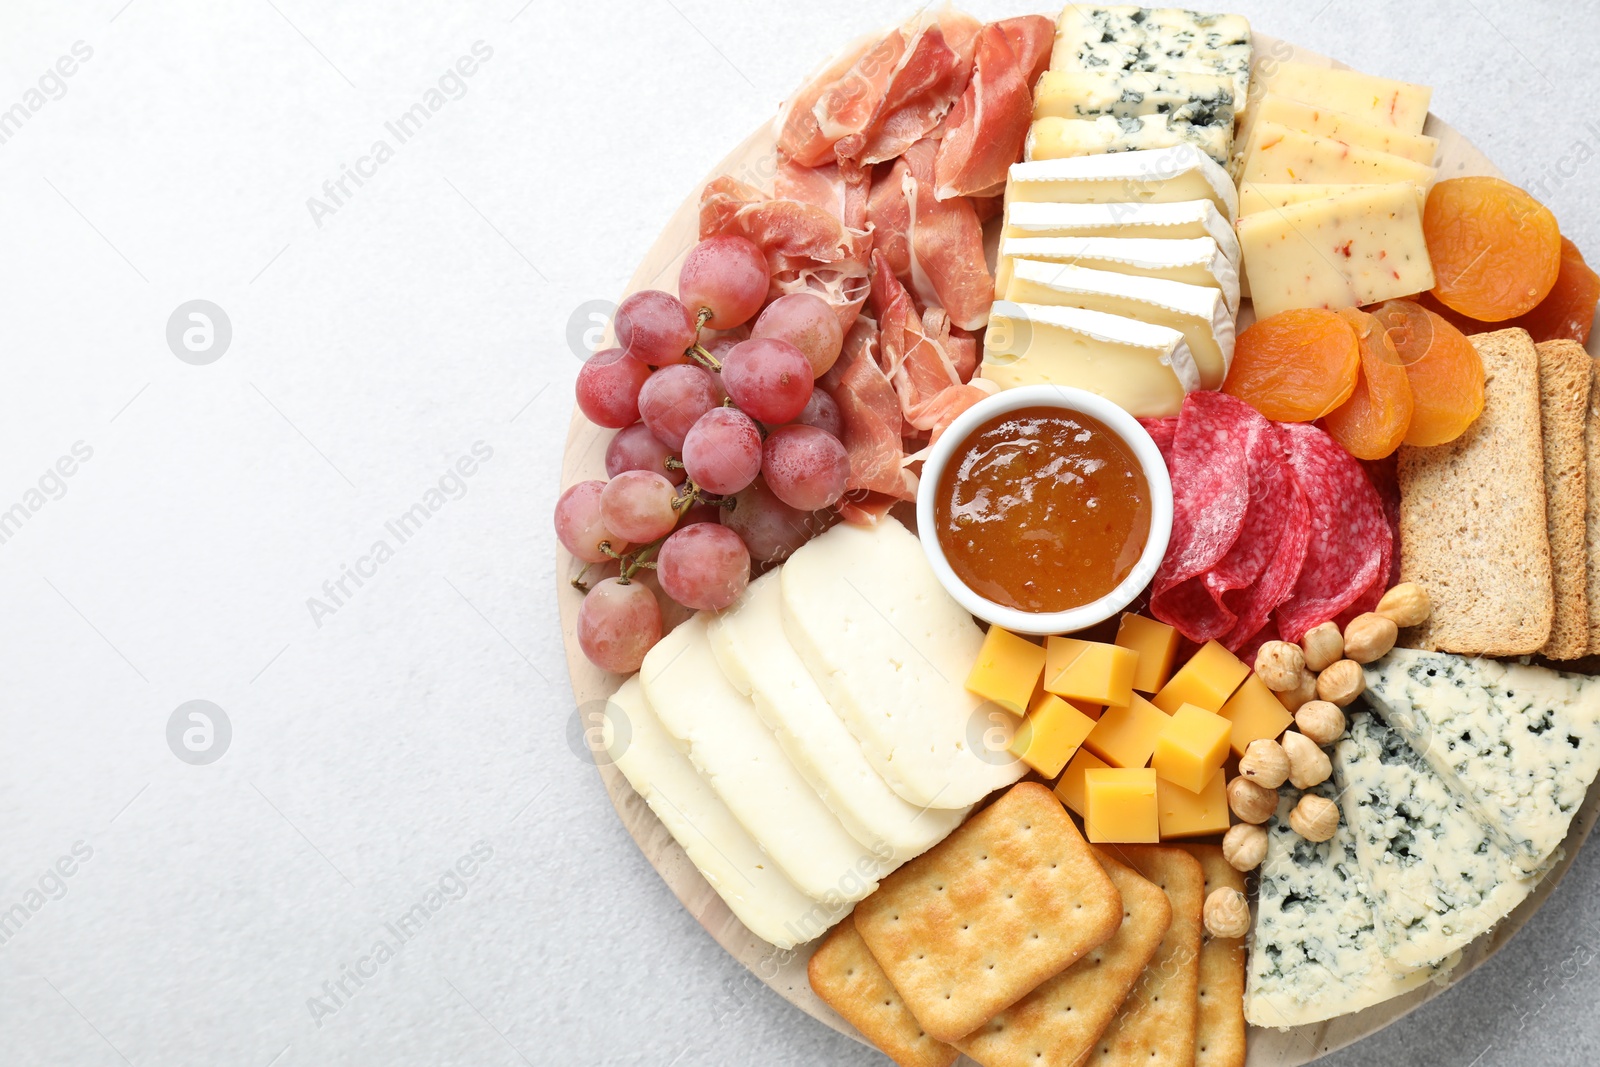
[889, 216]
[808, 250]
[918, 356]
[870, 412]
[799, 134]
[932, 77]
[827, 187]
[984, 132]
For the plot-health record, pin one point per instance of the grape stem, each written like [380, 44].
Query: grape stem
[639, 558]
[577, 580]
[702, 317]
[700, 355]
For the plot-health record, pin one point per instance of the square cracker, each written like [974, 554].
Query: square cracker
[1157, 1024]
[970, 927]
[1219, 1039]
[847, 978]
[1059, 1021]
[1564, 370]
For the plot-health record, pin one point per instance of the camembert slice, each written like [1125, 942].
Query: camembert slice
[1195, 261]
[1187, 218]
[1156, 176]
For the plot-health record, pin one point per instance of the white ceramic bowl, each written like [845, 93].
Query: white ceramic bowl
[1063, 399]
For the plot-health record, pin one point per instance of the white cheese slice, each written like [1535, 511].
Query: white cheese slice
[1143, 368]
[1438, 874]
[1186, 218]
[756, 656]
[1202, 99]
[1058, 138]
[1359, 248]
[722, 851]
[1256, 197]
[1276, 153]
[1322, 122]
[1197, 312]
[730, 745]
[1378, 101]
[1315, 953]
[1194, 261]
[890, 650]
[1520, 744]
[1156, 176]
[1128, 37]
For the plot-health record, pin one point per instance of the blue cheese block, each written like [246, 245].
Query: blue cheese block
[1518, 744]
[1167, 40]
[1316, 953]
[1439, 875]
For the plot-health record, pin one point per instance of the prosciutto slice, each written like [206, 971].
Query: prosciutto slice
[984, 132]
[870, 412]
[799, 133]
[918, 354]
[932, 77]
[827, 187]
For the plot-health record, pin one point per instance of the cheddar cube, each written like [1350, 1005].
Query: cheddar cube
[1191, 747]
[1206, 681]
[1255, 712]
[1186, 814]
[1007, 669]
[1070, 788]
[1050, 735]
[1040, 696]
[1126, 736]
[1121, 805]
[1090, 671]
[1157, 646]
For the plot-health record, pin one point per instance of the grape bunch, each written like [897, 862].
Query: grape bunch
[727, 453]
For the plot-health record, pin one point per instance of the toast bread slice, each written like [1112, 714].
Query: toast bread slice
[1564, 372]
[1592, 449]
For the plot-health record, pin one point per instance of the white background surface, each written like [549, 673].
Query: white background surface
[430, 711]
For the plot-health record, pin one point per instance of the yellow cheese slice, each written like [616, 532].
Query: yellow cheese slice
[1379, 101]
[1279, 154]
[1323, 122]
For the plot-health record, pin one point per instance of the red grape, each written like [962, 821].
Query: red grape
[655, 328]
[805, 467]
[635, 448]
[618, 623]
[704, 566]
[822, 411]
[701, 513]
[727, 276]
[723, 451]
[770, 379]
[637, 505]
[608, 388]
[806, 321]
[579, 525]
[674, 399]
[770, 529]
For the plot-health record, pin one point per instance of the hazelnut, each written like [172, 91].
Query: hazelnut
[1279, 665]
[1314, 818]
[1321, 721]
[1322, 645]
[1265, 763]
[1244, 846]
[1308, 764]
[1407, 604]
[1369, 637]
[1341, 682]
[1251, 802]
[1227, 913]
[1305, 689]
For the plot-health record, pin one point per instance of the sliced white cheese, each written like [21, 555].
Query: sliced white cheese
[1187, 218]
[1196, 311]
[1194, 261]
[1520, 744]
[1143, 368]
[1058, 138]
[1379, 101]
[890, 650]
[1157, 176]
[756, 656]
[1256, 197]
[1439, 875]
[1276, 153]
[1337, 126]
[1132, 38]
[1203, 99]
[741, 759]
[1359, 248]
[722, 851]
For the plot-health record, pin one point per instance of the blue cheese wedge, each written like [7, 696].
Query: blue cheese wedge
[1439, 875]
[1055, 138]
[1316, 954]
[1130, 38]
[1202, 99]
[1520, 744]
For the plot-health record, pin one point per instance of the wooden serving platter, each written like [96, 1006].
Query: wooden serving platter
[785, 970]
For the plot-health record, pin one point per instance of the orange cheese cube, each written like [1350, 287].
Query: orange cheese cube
[1090, 671]
[1186, 814]
[1121, 805]
[1255, 712]
[1050, 735]
[1191, 747]
[1070, 788]
[1125, 737]
[1007, 669]
[1040, 696]
[1206, 681]
[1157, 646]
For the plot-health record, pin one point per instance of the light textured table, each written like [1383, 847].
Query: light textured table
[401, 769]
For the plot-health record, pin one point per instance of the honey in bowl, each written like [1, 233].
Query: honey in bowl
[1043, 510]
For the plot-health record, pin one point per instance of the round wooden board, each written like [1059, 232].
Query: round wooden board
[785, 971]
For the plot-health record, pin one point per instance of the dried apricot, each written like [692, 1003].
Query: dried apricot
[1569, 309]
[1495, 249]
[1444, 369]
[1372, 423]
[1295, 366]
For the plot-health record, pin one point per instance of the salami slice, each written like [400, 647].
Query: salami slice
[1349, 544]
[1162, 431]
[1259, 572]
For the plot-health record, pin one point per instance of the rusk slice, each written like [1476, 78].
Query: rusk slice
[1473, 527]
[1564, 371]
[1592, 452]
